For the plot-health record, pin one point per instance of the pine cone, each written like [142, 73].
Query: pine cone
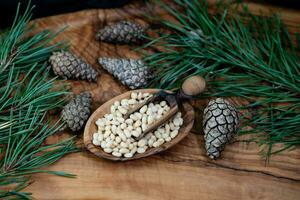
[77, 111]
[132, 73]
[220, 123]
[66, 65]
[122, 32]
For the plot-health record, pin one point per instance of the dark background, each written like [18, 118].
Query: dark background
[52, 7]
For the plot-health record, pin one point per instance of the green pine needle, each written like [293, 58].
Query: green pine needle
[241, 55]
[27, 94]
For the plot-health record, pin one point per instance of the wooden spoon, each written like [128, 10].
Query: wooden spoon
[191, 87]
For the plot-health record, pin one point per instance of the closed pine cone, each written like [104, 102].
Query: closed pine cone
[66, 65]
[121, 32]
[132, 73]
[220, 123]
[77, 111]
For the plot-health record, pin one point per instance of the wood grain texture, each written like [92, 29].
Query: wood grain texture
[183, 171]
[91, 128]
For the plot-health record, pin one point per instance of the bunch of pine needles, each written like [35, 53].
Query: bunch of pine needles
[240, 55]
[27, 94]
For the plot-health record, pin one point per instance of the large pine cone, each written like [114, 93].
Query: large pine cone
[220, 123]
[77, 111]
[66, 65]
[122, 32]
[132, 73]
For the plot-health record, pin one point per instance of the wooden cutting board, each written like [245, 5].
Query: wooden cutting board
[183, 172]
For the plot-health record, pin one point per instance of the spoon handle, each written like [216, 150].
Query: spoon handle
[159, 122]
[139, 106]
[190, 88]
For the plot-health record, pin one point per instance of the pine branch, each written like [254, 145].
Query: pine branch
[28, 93]
[20, 183]
[240, 55]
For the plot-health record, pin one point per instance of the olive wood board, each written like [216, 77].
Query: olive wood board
[182, 172]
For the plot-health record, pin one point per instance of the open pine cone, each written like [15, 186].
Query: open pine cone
[66, 65]
[77, 111]
[132, 73]
[220, 123]
[121, 32]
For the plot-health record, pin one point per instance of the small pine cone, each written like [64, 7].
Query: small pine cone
[220, 121]
[125, 32]
[66, 65]
[132, 73]
[77, 111]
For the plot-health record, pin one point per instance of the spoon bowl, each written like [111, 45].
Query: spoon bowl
[91, 128]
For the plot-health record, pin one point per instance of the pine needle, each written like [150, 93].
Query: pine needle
[27, 94]
[241, 55]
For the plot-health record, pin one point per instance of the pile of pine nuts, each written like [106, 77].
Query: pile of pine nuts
[116, 135]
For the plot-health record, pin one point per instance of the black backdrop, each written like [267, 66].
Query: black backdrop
[51, 7]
